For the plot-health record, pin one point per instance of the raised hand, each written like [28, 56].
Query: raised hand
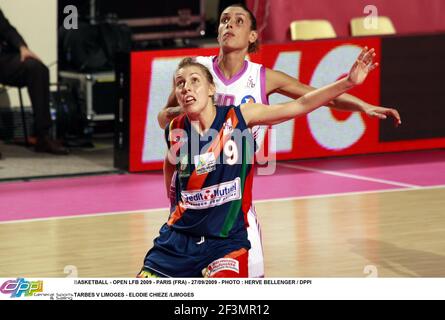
[362, 66]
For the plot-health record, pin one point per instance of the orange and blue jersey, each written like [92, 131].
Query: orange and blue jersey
[208, 220]
[214, 175]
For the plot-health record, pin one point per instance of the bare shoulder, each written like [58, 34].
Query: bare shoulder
[275, 80]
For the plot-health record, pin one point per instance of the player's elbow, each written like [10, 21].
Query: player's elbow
[162, 119]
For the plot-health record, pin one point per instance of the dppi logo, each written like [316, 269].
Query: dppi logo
[20, 286]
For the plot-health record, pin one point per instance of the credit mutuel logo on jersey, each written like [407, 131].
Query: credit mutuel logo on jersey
[212, 196]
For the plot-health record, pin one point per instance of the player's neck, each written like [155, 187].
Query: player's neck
[203, 120]
[230, 63]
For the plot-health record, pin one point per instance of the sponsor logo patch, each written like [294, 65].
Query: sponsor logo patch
[205, 163]
[213, 196]
[248, 99]
[223, 264]
[227, 127]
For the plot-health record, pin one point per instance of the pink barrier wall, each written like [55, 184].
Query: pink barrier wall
[408, 16]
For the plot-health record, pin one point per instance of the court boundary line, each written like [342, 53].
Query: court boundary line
[349, 175]
[143, 211]
[352, 193]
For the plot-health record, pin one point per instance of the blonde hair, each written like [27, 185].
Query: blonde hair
[189, 61]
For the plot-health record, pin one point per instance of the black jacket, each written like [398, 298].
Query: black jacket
[9, 37]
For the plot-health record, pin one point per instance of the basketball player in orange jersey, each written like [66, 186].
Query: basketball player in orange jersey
[207, 227]
[237, 36]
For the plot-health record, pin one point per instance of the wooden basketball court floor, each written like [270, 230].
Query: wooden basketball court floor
[375, 215]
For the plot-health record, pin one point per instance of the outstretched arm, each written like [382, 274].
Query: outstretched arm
[347, 102]
[261, 114]
[279, 82]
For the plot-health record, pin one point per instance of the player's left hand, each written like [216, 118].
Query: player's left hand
[383, 113]
[362, 66]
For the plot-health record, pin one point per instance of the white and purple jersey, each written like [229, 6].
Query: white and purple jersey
[248, 85]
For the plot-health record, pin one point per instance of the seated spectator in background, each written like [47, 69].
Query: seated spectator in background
[19, 66]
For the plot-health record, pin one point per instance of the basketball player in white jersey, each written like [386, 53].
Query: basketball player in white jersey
[239, 81]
